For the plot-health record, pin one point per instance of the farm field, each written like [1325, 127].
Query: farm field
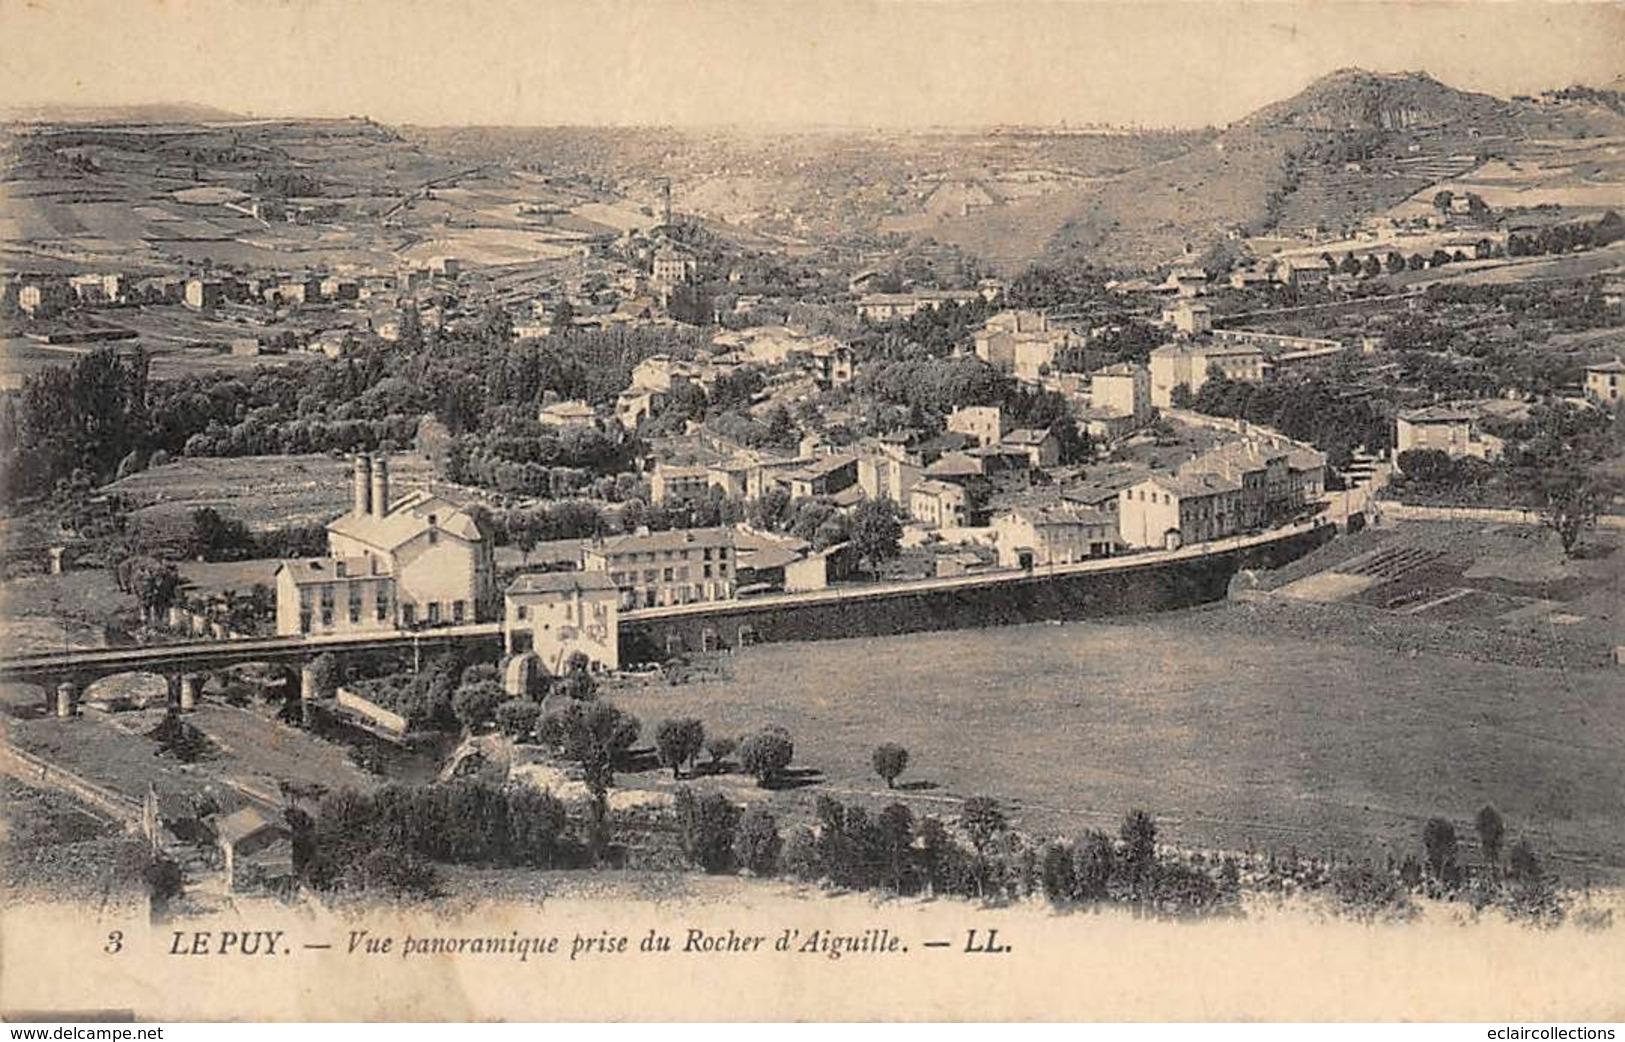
[1234, 740]
[112, 750]
[261, 491]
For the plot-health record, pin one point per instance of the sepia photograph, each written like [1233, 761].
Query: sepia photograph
[853, 510]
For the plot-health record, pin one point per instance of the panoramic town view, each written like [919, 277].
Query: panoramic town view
[1184, 518]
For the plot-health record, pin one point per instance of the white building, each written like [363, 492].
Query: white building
[1036, 536]
[1452, 430]
[556, 614]
[655, 569]
[985, 423]
[1167, 511]
[1122, 390]
[1024, 343]
[429, 556]
[572, 413]
[1191, 364]
[1605, 382]
[938, 504]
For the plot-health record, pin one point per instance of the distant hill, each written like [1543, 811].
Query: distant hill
[161, 112]
[1354, 99]
[1350, 144]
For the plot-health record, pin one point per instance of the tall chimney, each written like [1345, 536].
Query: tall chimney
[361, 484]
[380, 486]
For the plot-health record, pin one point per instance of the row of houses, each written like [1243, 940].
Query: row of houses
[1244, 485]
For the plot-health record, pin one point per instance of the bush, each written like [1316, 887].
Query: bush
[982, 819]
[517, 717]
[706, 827]
[536, 826]
[164, 881]
[765, 756]
[1058, 873]
[325, 674]
[678, 742]
[890, 760]
[801, 856]
[1439, 843]
[758, 842]
[1368, 894]
[720, 749]
[475, 704]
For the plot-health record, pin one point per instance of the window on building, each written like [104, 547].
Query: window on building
[667, 575]
[523, 612]
[355, 607]
[434, 612]
[457, 611]
[708, 571]
[304, 621]
[409, 614]
[434, 536]
[383, 606]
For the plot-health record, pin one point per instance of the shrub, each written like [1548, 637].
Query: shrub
[325, 674]
[517, 717]
[1057, 873]
[1439, 844]
[758, 842]
[801, 856]
[766, 755]
[982, 819]
[536, 826]
[476, 703]
[678, 742]
[720, 749]
[890, 760]
[1369, 894]
[164, 880]
[707, 827]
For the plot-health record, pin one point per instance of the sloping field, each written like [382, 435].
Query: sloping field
[1236, 741]
[262, 491]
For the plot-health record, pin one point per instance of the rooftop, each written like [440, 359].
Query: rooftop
[312, 571]
[1028, 436]
[560, 582]
[655, 542]
[406, 520]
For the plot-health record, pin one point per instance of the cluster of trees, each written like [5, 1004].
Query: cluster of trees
[211, 536]
[1555, 465]
[520, 456]
[1565, 238]
[894, 851]
[386, 839]
[1312, 409]
[931, 389]
[79, 419]
[446, 695]
[476, 381]
[928, 333]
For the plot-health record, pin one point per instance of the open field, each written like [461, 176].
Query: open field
[1511, 579]
[250, 750]
[1234, 739]
[261, 491]
[53, 845]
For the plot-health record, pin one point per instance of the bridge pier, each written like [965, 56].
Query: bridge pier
[64, 701]
[189, 686]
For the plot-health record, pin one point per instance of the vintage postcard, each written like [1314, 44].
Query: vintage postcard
[997, 510]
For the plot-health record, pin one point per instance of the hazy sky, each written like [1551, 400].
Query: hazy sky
[775, 61]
